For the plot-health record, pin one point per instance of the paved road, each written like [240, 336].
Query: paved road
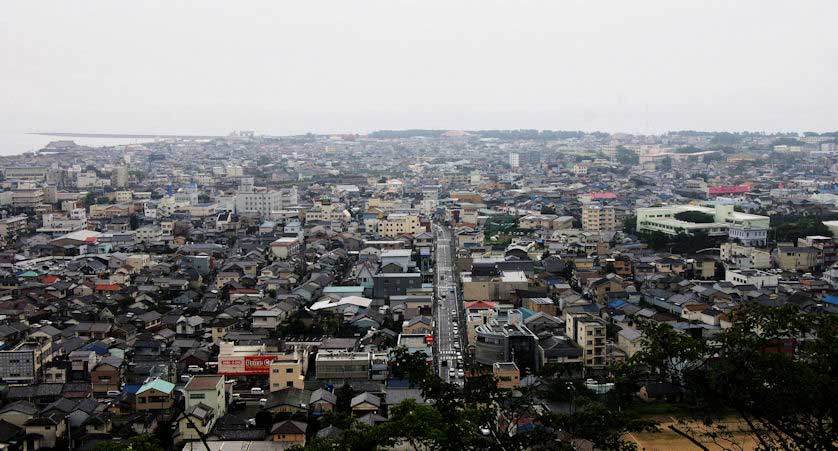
[448, 309]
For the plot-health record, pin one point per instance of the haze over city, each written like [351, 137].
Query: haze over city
[280, 68]
[418, 225]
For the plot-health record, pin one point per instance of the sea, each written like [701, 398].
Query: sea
[16, 143]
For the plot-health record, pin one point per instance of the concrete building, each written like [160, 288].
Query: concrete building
[755, 277]
[12, 225]
[506, 374]
[599, 218]
[745, 257]
[336, 365]
[498, 286]
[23, 363]
[263, 203]
[588, 332]
[397, 224]
[288, 370]
[746, 228]
[794, 258]
[286, 247]
[506, 342]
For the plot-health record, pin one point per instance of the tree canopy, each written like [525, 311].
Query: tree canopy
[695, 216]
[774, 368]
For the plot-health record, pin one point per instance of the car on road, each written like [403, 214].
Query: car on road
[257, 391]
[452, 373]
[461, 373]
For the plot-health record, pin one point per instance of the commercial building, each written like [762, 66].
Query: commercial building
[337, 365]
[507, 342]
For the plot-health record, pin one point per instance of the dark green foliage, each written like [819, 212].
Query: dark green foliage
[681, 243]
[789, 229]
[724, 139]
[687, 149]
[714, 157]
[143, 442]
[695, 216]
[630, 225]
[774, 369]
[626, 156]
[788, 141]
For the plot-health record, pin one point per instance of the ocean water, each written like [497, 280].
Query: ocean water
[16, 143]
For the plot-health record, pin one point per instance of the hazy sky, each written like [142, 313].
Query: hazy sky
[338, 66]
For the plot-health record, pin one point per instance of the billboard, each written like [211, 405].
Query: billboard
[247, 365]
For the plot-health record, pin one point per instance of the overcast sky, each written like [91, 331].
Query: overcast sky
[356, 66]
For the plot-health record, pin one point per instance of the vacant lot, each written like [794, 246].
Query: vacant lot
[669, 440]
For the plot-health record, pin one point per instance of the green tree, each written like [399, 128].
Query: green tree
[89, 199]
[344, 396]
[774, 369]
[144, 442]
[630, 225]
[626, 156]
[695, 216]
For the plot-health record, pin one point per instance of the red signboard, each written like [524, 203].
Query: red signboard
[247, 365]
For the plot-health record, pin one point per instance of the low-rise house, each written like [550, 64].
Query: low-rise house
[267, 319]
[154, 395]
[106, 375]
[365, 403]
[322, 401]
[43, 431]
[289, 432]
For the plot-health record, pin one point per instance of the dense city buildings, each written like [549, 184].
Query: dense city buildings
[197, 287]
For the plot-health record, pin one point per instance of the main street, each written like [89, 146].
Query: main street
[448, 310]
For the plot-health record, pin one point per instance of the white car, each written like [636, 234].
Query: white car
[461, 374]
[257, 391]
[452, 373]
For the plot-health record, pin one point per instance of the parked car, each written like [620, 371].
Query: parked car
[257, 391]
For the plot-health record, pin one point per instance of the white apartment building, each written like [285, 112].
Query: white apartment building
[588, 332]
[265, 202]
[755, 277]
[599, 218]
